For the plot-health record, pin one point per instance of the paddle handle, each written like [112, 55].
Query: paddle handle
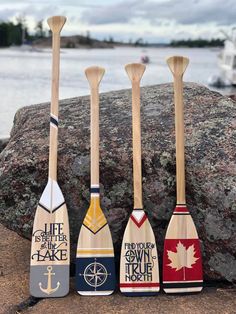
[94, 135]
[54, 106]
[136, 133]
[179, 134]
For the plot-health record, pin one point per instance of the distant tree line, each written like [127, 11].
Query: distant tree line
[198, 43]
[18, 34]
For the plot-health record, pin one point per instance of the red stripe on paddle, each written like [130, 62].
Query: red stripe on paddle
[139, 285]
[182, 209]
[138, 223]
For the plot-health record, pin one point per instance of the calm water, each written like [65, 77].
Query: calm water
[25, 76]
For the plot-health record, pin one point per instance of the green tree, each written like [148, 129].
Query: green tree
[111, 40]
[88, 38]
[4, 35]
[10, 34]
[40, 33]
[139, 42]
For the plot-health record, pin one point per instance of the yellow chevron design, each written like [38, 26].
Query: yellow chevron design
[94, 219]
[90, 219]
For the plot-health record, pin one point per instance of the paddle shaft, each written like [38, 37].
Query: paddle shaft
[179, 134]
[94, 135]
[136, 133]
[54, 106]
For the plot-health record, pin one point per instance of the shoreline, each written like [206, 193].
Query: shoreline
[112, 47]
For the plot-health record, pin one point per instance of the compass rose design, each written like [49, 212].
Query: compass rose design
[95, 274]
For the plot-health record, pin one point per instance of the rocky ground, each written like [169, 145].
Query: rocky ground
[15, 298]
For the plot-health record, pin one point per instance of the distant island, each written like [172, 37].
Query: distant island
[17, 34]
[76, 41]
[198, 43]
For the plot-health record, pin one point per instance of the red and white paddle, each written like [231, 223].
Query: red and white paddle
[182, 261]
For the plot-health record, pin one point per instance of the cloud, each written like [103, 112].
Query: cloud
[185, 12]
[120, 12]
[154, 20]
[6, 14]
[37, 12]
[43, 12]
[155, 12]
[194, 12]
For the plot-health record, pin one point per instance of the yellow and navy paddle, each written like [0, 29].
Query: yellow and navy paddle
[95, 265]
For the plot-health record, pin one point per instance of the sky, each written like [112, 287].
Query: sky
[153, 20]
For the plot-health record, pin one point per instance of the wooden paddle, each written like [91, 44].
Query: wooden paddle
[95, 264]
[139, 273]
[50, 248]
[182, 262]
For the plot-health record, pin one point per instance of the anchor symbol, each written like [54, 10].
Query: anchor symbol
[49, 289]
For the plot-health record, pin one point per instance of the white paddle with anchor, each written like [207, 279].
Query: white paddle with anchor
[50, 248]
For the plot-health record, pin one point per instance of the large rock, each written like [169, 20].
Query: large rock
[210, 126]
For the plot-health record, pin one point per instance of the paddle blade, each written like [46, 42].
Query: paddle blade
[135, 71]
[94, 75]
[50, 247]
[182, 261]
[56, 23]
[139, 271]
[177, 65]
[95, 263]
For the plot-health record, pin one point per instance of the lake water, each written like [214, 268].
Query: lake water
[25, 77]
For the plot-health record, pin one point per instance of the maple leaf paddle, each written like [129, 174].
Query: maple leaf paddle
[139, 272]
[50, 248]
[95, 264]
[182, 262]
